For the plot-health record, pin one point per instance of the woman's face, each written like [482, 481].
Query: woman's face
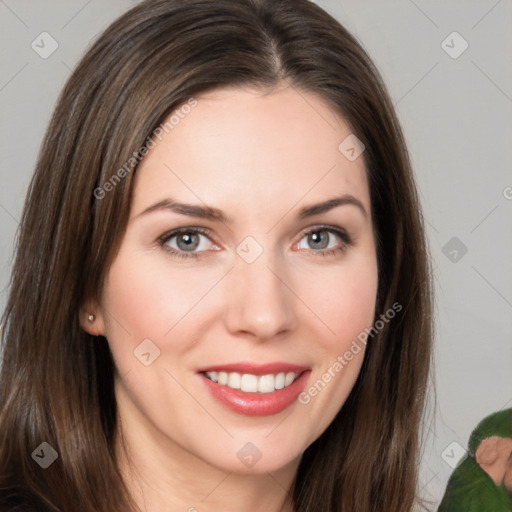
[272, 281]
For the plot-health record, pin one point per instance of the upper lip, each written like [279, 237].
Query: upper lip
[255, 368]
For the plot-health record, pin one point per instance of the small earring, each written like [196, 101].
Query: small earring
[91, 318]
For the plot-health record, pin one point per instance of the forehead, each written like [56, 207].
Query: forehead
[244, 148]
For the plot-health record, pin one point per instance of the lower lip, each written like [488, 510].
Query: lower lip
[257, 404]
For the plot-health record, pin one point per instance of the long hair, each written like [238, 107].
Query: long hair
[57, 381]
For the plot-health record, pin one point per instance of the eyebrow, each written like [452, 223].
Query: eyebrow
[214, 214]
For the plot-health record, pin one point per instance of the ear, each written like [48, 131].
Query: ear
[91, 318]
[492, 456]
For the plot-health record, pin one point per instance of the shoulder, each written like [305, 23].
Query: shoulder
[17, 503]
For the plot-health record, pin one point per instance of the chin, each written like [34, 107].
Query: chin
[254, 459]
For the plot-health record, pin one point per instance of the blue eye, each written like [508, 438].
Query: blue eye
[321, 238]
[184, 242]
[191, 242]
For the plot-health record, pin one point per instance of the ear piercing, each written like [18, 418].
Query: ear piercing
[91, 318]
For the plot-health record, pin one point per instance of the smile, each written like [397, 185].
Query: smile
[255, 390]
[253, 383]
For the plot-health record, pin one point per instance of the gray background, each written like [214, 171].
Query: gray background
[456, 114]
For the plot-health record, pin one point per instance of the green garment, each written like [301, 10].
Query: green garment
[470, 488]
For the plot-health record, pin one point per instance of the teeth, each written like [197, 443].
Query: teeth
[235, 380]
[249, 383]
[290, 377]
[266, 384]
[213, 376]
[279, 381]
[253, 383]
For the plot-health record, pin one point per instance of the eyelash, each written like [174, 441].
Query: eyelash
[347, 241]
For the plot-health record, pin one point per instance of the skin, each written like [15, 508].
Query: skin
[494, 455]
[259, 159]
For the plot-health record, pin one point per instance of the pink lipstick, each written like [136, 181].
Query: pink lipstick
[255, 389]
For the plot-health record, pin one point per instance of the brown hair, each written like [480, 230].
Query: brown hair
[56, 381]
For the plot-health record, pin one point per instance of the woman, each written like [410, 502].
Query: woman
[221, 298]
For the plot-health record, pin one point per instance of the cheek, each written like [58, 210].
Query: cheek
[346, 301]
[132, 299]
[148, 298]
[346, 304]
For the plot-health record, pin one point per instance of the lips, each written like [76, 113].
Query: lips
[255, 389]
[255, 369]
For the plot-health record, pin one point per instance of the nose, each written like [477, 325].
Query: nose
[259, 300]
